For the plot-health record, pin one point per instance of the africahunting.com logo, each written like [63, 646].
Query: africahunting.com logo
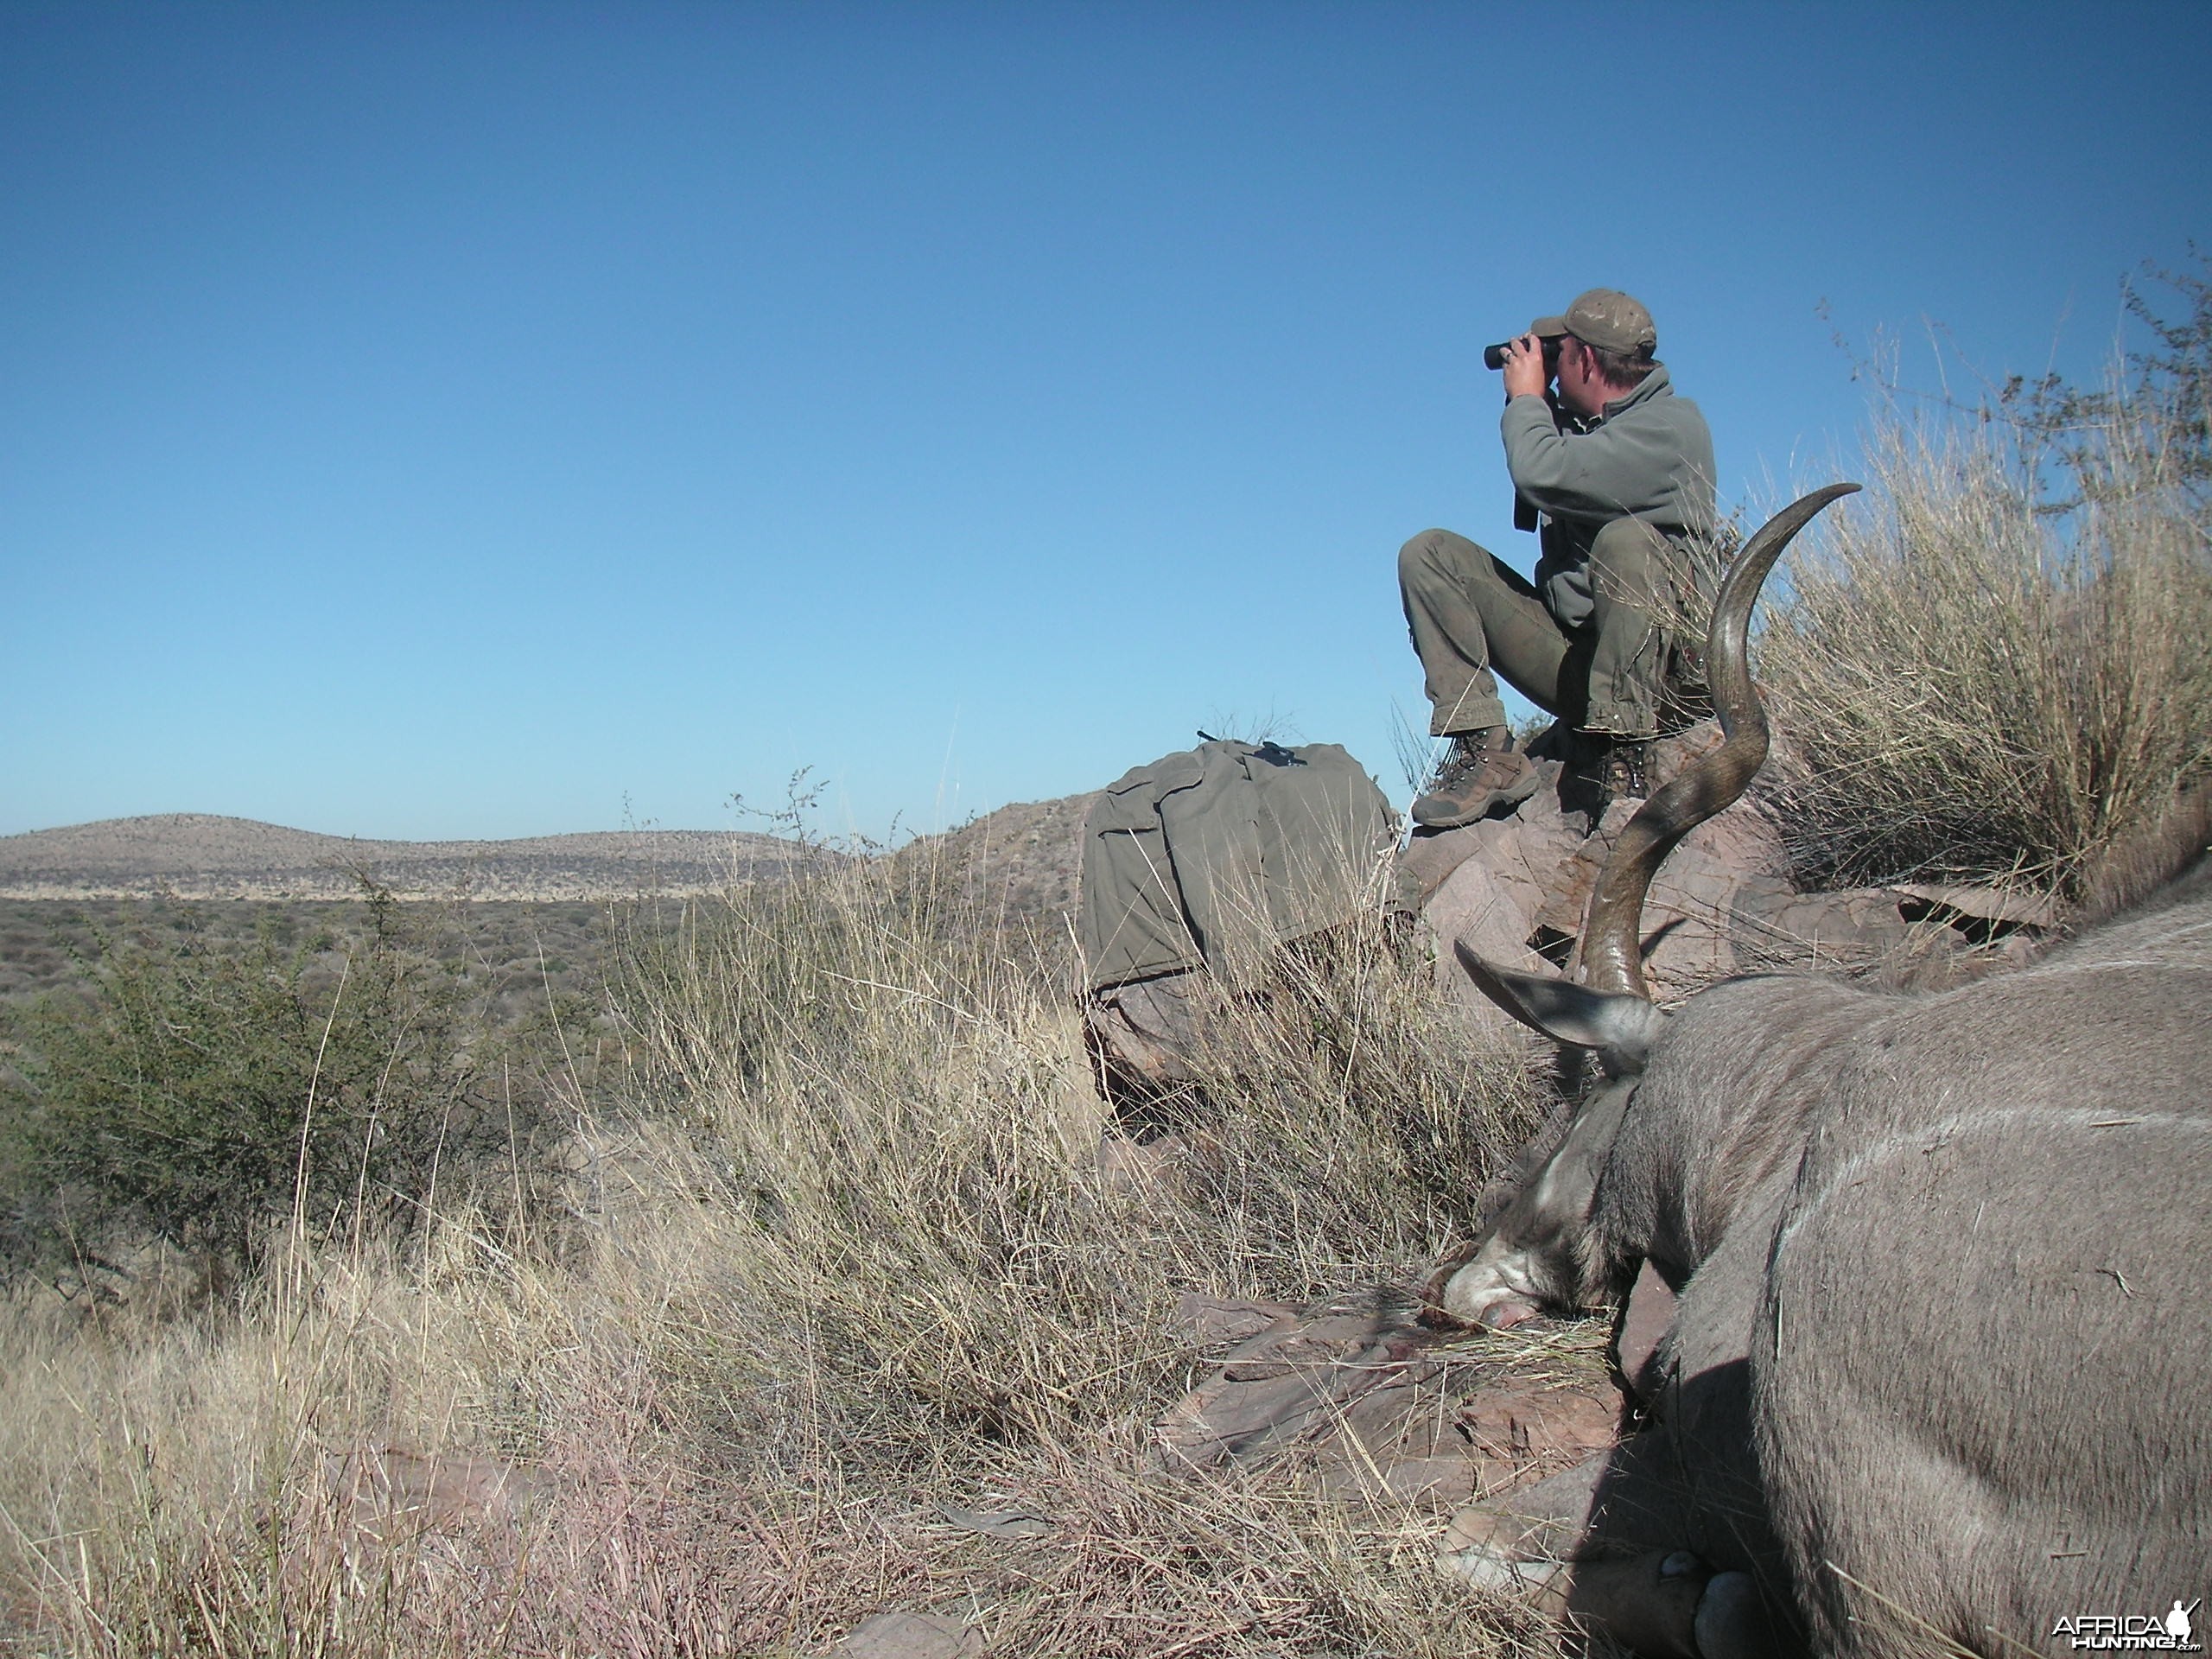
[2132, 1632]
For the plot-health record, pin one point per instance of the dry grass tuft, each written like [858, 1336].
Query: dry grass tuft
[1975, 681]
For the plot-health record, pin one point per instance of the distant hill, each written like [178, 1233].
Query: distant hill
[200, 856]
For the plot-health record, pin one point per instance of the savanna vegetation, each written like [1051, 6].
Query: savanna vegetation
[186, 1083]
[721, 1268]
[832, 1247]
[2003, 660]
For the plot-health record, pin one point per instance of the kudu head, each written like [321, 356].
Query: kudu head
[1539, 1253]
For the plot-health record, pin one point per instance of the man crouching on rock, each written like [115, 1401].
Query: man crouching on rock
[1621, 471]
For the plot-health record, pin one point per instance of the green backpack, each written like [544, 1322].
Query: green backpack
[1215, 857]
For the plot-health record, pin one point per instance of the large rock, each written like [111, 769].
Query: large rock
[1375, 1403]
[1499, 875]
[1514, 889]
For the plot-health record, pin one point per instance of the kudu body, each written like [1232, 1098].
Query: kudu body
[1939, 1367]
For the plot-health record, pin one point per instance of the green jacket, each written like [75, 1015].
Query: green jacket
[1648, 455]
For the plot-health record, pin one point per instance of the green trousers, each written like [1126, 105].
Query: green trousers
[1471, 613]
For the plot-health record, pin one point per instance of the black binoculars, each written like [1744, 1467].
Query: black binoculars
[1494, 356]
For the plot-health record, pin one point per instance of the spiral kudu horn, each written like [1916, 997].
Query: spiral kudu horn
[1612, 948]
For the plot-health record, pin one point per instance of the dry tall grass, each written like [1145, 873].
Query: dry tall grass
[2001, 658]
[846, 1255]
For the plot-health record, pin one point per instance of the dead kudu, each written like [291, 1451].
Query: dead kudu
[1937, 1375]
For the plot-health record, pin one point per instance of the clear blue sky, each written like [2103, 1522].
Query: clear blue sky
[463, 420]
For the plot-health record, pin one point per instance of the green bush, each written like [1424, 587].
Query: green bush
[204, 1093]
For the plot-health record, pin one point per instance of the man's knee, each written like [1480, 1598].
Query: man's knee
[1424, 554]
[1441, 561]
[1626, 550]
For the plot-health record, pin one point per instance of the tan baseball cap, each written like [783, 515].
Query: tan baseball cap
[1605, 318]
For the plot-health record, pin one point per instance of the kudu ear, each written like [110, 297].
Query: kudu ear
[1624, 1028]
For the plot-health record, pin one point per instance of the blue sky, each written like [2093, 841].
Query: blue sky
[467, 420]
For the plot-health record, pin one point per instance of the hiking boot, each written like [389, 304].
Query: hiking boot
[1481, 775]
[1621, 768]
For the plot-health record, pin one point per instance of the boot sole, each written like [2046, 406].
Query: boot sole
[1477, 811]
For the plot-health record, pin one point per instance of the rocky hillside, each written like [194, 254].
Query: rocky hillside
[200, 856]
[1020, 862]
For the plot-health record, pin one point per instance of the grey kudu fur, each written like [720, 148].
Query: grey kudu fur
[1940, 1377]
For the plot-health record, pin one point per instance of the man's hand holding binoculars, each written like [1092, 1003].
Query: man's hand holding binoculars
[1527, 373]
